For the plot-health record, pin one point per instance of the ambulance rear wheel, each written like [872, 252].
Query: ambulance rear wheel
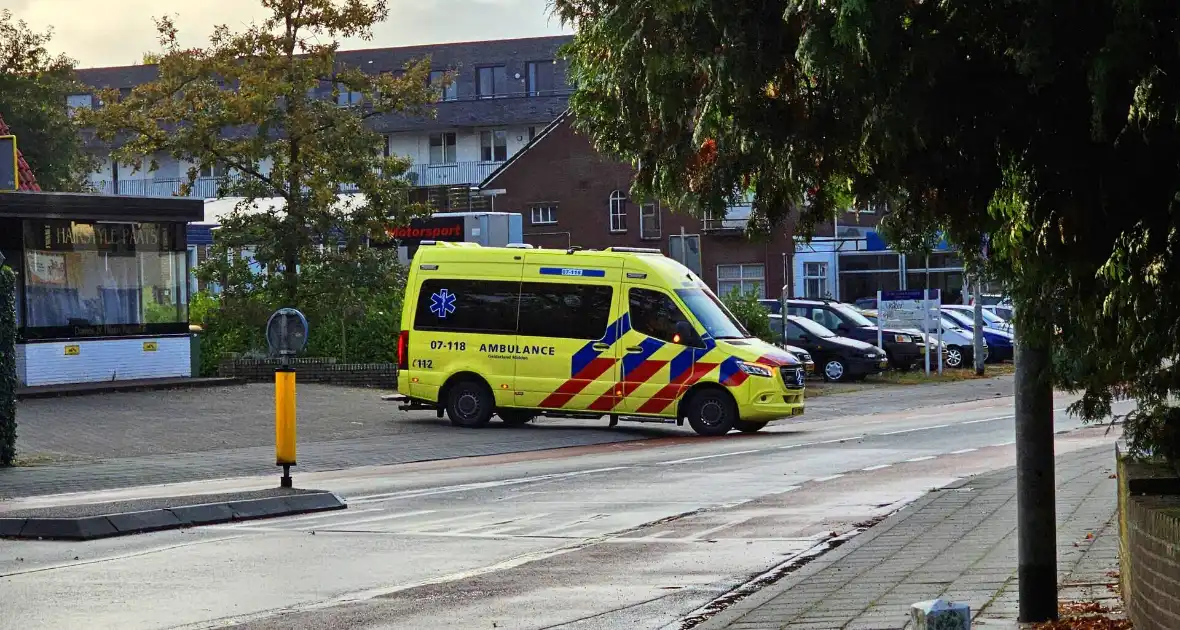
[470, 404]
[712, 412]
[515, 418]
[746, 426]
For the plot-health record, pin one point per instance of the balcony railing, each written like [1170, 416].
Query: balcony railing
[420, 175]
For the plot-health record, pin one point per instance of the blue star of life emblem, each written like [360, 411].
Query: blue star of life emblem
[442, 303]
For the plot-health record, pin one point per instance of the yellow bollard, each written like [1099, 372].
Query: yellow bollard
[285, 422]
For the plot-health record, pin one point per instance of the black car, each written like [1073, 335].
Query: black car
[906, 349]
[836, 358]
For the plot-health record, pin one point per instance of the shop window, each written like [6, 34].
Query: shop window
[815, 279]
[84, 279]
[745, 279]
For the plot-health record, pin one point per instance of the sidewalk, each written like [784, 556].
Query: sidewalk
[958, 544]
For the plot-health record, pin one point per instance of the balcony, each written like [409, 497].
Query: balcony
[735, 220]
[420, 175]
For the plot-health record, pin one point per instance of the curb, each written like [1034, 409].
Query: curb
[126, 523]
[112, 387]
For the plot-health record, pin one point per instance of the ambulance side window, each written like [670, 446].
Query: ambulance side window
[655, 314]
[479, 306]
[564, 311]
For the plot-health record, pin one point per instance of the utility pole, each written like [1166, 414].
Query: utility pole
[977, 333]
[1036, 513]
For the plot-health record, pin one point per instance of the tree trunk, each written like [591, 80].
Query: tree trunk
[977, 334]
[1035, 485]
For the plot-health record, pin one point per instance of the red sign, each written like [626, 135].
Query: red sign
[436, 229]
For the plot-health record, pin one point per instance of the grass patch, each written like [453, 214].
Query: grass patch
[918, 376]
[40, 459]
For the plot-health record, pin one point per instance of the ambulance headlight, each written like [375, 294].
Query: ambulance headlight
[755, 369]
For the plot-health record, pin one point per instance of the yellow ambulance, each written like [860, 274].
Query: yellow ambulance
[622, 333]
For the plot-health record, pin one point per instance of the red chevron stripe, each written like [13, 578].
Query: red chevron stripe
[640, 375]
[572, 387]
[670, 392]
[736, 379]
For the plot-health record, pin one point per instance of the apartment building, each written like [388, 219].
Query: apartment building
[503, 93]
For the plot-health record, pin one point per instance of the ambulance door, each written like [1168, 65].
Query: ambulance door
[658, 364]
[567, 353]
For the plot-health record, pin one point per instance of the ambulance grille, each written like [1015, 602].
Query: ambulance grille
[793, 377]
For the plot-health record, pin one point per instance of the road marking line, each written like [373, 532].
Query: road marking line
[359, 521]
[937, 426]
[1009, 443]
[783, 448]
[878, 467]
[428, 526]
[828, 478]
[921, 459]
[466, 487]
[843, 439]
[713, 530]
[1008, 417]
[697, 459]
[965, 450]
[666, 532]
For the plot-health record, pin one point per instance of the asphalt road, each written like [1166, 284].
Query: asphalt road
[638, 534]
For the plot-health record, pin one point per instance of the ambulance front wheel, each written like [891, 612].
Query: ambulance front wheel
[470, 404]
[712, 412]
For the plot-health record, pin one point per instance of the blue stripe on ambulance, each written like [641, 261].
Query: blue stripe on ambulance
[573, 272]
[614, 331]
[632, 361]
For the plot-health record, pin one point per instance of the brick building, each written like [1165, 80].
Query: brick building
[571, 195]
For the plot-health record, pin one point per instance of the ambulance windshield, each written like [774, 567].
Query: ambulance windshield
[712, 314]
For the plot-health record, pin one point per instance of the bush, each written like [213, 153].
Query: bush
[751, 315]
[7, 367]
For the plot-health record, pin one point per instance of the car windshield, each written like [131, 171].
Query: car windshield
[811, 328]
[712, 314]
[957, 318]
[853, 314]
[993, 320]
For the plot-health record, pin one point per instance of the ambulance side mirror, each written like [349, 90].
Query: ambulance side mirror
[686, 335]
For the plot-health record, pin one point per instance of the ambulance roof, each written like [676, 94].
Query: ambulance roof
[651, 262]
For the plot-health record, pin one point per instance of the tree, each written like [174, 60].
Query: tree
[34, 85]
[1047, 125]
[248, 103]
[149, 58]
[751, 315]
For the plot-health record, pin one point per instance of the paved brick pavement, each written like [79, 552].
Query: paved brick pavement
[959, 544]
[139, 438]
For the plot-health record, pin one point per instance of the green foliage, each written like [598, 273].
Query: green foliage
[246, 102]
[1062, 147]
[352, 301]
[34, 85]
[8, 382]
[750, 314]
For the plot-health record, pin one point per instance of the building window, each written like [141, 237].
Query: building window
[348, 98]
[745, 279]
[216, 169]
[450, 92]
[107, 278]
[532, 133]
[815, 279]
[79, 101]
[618, 211]
[493, 145]
[542, 76]
[492, 81]
[649, 220]
[442, 148]
[542, 215]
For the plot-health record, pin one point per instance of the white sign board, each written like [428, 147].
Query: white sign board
[917, 309]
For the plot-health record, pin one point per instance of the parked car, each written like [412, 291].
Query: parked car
[990, 319]
[1003, 311]
[999, 341]
[958, 344]
[836, 358]
[904, 349]
[865, 303]
[774, 306]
